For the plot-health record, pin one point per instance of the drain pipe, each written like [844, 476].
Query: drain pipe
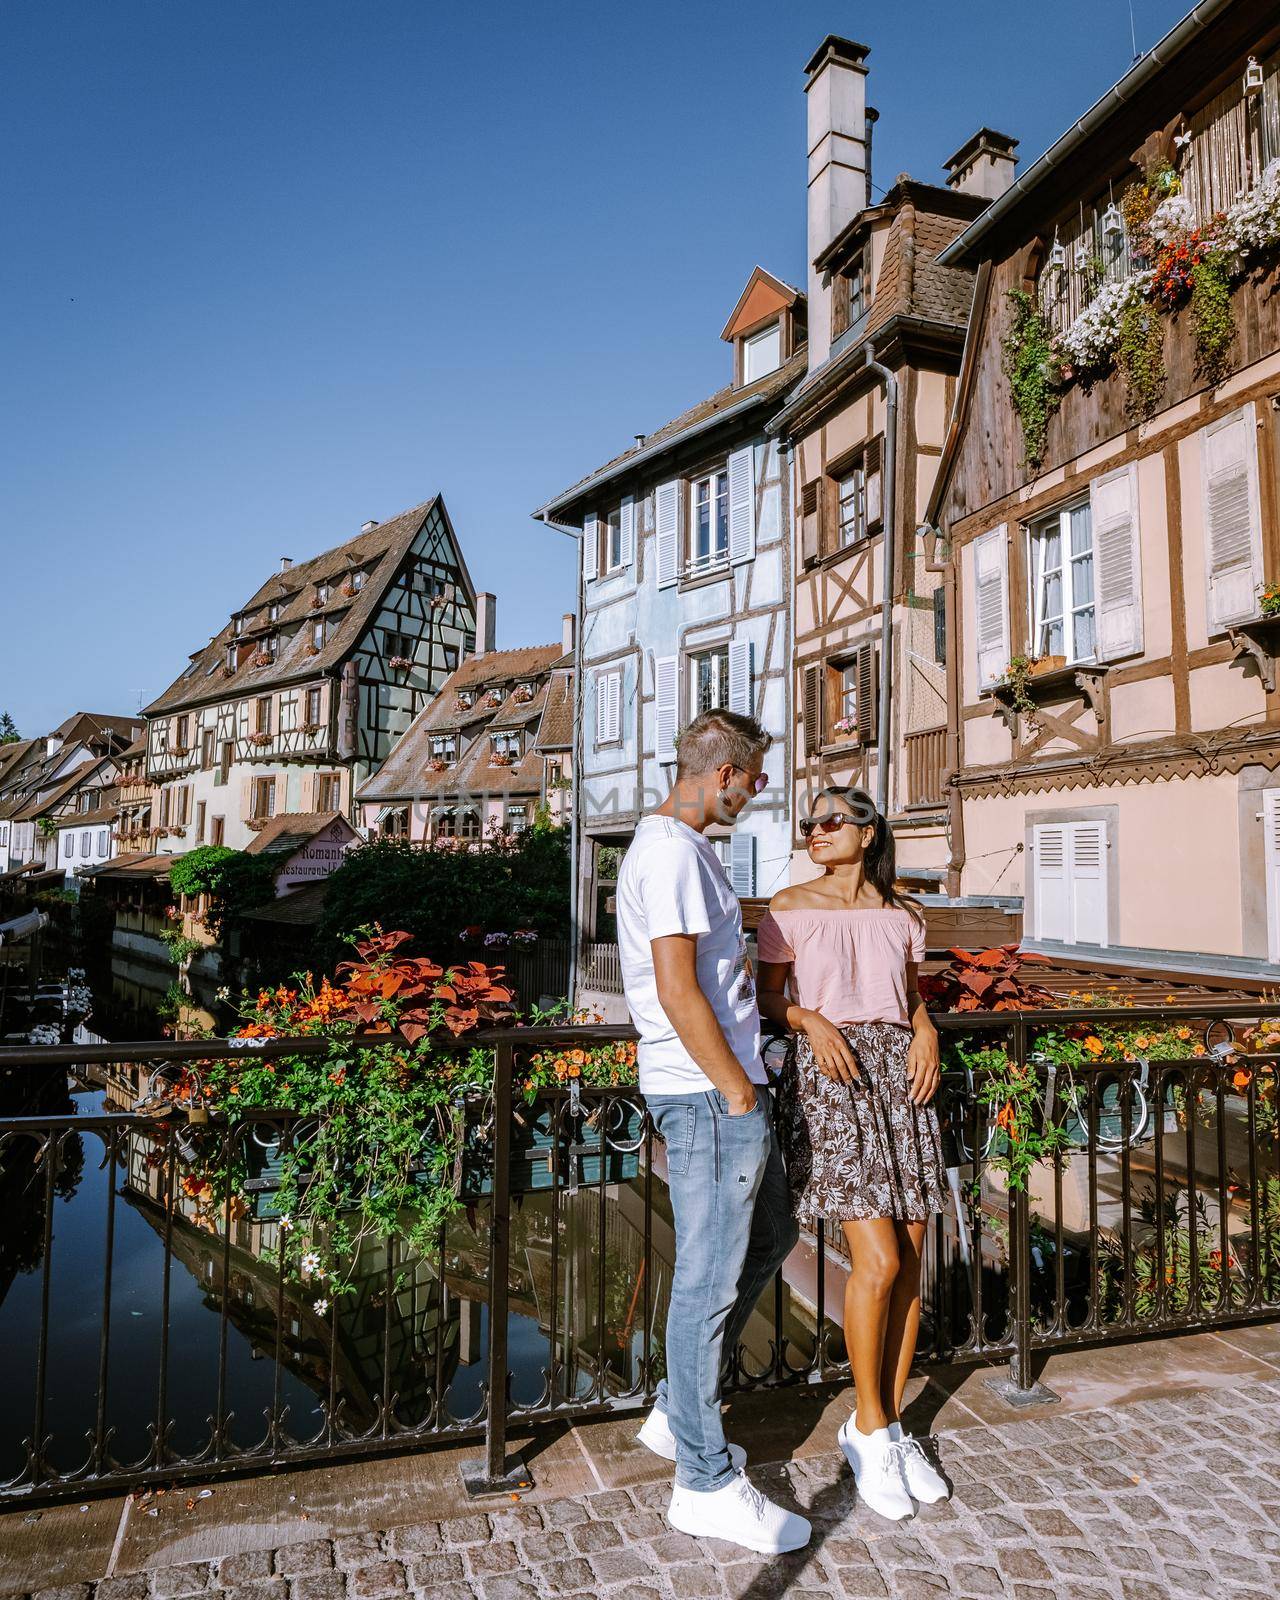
[575, 756]
[889, 508]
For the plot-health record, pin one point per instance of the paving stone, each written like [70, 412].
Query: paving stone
[592, 1536]
[615, 1566]
[134, 1586]
[263, 1589]
[972, 1579]
[1022, 1563]
[246, 1566]
[561, 1577]
[692, 1581]
[434, 1567]
[568, 1513]
[358, 1550]
[861, 1583]
[487, 1560]
[167, 1581]
[69, 1591]
[315, 1555]
[378, 1580]
[466, 1530]
[414, 1538]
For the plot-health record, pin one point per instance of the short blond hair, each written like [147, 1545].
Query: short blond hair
[717, 739]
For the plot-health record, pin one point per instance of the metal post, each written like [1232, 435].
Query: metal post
[492, 1475]
[1020, 1388]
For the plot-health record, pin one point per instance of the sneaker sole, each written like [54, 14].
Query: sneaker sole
[760, 1547]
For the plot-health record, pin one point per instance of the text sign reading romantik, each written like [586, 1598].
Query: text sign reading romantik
[317, 859]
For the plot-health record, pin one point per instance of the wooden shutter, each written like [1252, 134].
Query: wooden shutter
[1113, 511]
[666, 689]
[1232, 526]
[742, 505]
[666, 518]
[873, 480]
[1271, 866]
[1049, 869]
[810, 522]
[813, 710]
[590, 546]
[614, 681]
[740, 695]
[627, 537]
[990, 582]
[1088, 875]
[866, 667]
[742, 864]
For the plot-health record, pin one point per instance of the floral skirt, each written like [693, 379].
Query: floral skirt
[856, 1151]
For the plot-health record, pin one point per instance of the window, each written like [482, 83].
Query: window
[1069, 881]
[320, 633]
[237, 625]
[396, 644]
[444, 747]
[262, 714]
[84, 801]
[181, 732]
[263, 798]
[449, 654]
[273, 611]
[208, 742]
[1062, 585]
[762, 353]
[709, 521]
[322, 593]
[200, 811]
[217, 829]
[855, 276]
[940, 625]
[224, 762]
[182, 805]
[269, 646]
[1271, 865]
[852, 503]
[329, 792]
[102, 841]
[468, 823]
[507, 744]
[357, 579]
[517, 818]
[710, 678]
[313, 706]
[230, 662]
[613, 540]
[608, 707]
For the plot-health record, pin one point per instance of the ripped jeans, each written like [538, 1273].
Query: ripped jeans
[734, 1229]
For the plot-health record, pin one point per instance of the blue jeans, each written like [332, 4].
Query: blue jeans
[734, 1229]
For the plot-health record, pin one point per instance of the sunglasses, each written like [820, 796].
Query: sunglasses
[759, 783]
[831, 823]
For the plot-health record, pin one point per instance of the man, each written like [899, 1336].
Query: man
[692, 997]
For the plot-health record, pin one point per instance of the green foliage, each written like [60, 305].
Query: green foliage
[1140, 356]
[435, 894]
[8, 729]
[1211, 318]
[1016, 678]
[1034, 371]
[46, 827]
[200, 871]
[234, 881]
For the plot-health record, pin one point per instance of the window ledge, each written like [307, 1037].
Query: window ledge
[695, 577]
[1258, 638]
[1084, 678]
[842, 747]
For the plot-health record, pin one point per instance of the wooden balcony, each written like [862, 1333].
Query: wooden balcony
[926, 754]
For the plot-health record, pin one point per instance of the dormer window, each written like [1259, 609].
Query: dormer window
[237, 626]
[320, 633]
[323, 591]
[273, 611]
[444, 747]
[762, 353]
[357, 579]
[231, 658]
[506, 747]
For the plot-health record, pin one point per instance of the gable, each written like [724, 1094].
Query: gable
[764, 298]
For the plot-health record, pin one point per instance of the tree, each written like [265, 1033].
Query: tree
[8, 729]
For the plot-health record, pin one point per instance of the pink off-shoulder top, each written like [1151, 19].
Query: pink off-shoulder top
[848, 964]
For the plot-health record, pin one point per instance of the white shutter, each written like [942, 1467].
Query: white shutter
[627, 540]
[742, 506]
[1088, 870]
[740, 688]
[1232, 526]
[615, 705]
[990, 579]
[1113, 509]
[590, 545]
[742, 863]
[1271, 860]
[603, 708]
[666, 689]
[666, 525]
[1049, 866]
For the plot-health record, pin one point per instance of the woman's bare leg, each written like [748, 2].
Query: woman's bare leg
[903, 1324]
[868, 1295]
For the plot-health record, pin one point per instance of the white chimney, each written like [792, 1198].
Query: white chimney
[368, 527]
[486, 623]
[566, 633]
[285, 563]
[983, 165]
[839, 182]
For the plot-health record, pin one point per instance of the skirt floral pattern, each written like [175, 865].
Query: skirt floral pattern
[860, 1151]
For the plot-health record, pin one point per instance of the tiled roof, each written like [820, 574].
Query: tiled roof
[85, 726]
[935, 294]
[87, 819]
[138, 864]
[500, 666]
[290, 830]
[42, 800]
[379, 552]
[772, 386]
[555, 732]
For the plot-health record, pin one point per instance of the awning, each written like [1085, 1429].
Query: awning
[22, 927]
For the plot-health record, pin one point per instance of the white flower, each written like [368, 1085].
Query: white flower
[1092, 339]
[286, 1222]
[1252, 223]
[310, 1264]
[321, 1306]
[1173, 216]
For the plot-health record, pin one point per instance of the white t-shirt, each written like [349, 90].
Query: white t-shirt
[672, 881]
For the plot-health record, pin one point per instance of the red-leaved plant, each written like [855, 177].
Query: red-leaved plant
[985, 980]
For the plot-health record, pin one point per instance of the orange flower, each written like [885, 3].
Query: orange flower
[1094, 1045]
[1197, 1049]
[1184, 1033]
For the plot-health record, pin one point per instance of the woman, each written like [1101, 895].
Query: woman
[838, 963]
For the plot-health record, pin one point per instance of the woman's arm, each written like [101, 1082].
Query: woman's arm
[831, 1050]
[924, 1066]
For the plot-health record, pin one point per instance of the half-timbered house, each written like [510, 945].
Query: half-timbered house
[1108, 523]
[304, 691]
[55, 774]
[491, 748]
[866, 427]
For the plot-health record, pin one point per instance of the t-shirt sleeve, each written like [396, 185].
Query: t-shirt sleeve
[771, 941]
[915, 949]
[672, 892]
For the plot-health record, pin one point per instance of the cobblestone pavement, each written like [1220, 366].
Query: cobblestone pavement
[1170, 1497]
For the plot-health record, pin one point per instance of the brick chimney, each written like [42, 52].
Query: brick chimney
[983, 164]
[566, 633]
[486, 623]
[839, 180]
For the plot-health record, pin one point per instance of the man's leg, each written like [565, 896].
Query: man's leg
[715, 1165]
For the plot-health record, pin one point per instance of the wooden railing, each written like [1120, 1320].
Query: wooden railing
[926, 756]
[601, 968]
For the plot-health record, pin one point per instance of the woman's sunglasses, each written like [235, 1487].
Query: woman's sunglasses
[831, 823]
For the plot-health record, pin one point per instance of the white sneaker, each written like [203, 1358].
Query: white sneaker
[656, 1435]
[739, 1513]
[924, 1482]
[877, 1469]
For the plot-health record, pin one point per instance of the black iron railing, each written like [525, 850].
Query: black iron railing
[154, 1335]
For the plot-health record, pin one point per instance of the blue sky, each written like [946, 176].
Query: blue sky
[274, 267]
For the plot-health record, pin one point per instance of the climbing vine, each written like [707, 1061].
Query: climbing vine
[1034, 370]
[1211, 317]
[1140, 357]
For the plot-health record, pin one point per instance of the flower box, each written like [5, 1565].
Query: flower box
[400, 663]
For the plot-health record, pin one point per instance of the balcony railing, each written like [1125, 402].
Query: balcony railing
[153, 1338]
[601, 968]
[926, 758]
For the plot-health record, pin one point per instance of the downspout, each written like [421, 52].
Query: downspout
[575, 757]
[889, 512]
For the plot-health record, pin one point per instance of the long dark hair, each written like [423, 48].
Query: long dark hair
[879, 859]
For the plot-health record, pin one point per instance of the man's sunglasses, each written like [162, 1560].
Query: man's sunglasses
[759, 783]
[831, 823]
